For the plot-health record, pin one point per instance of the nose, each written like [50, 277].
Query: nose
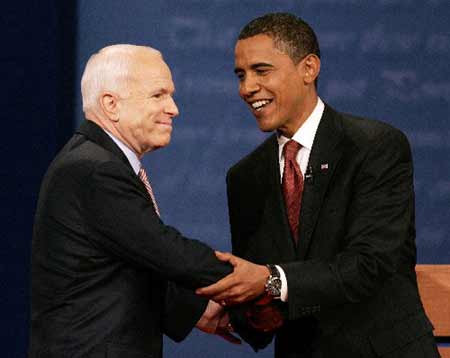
[248, 86]
[171, 107]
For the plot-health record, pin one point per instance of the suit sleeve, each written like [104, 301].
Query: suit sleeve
[243, 223]
[182, 310]
[121, 219]
[380, 222]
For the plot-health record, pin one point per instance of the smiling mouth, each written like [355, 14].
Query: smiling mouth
[259, 105]
[165, 123]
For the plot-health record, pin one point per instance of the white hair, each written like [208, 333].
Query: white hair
[109, 70]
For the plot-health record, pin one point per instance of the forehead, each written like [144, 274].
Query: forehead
[259, 48]
[150, 69]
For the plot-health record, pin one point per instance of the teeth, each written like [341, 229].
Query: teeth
[259, 104]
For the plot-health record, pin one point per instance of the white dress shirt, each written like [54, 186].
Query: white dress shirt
[304, 136]
[131, 156]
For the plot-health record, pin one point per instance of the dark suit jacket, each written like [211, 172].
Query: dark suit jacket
[104, 266]
[351, 280]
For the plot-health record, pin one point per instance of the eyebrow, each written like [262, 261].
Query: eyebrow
[254, 66]
[163, 90]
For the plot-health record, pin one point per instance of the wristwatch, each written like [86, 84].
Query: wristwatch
[273, 283]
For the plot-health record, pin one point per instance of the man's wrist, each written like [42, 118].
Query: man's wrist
[273, 283]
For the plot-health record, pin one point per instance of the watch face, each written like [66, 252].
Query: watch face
[273, 291]
[273, 286]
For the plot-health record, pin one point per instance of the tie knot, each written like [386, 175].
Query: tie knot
[291, 149]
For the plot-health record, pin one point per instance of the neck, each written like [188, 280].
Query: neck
[308, 105]
[110, 127]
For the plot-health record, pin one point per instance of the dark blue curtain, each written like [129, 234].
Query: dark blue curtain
[37, 96]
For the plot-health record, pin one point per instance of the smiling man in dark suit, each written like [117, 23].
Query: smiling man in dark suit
[108, 276]
[329, 199]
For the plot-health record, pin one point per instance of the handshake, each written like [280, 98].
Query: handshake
[241, 294]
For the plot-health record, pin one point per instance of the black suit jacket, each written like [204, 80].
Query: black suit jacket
[351, 280]
[105, 268]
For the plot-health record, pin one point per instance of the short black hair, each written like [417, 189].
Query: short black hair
[290, 34]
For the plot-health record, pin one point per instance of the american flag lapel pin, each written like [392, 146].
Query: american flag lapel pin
[324, 167]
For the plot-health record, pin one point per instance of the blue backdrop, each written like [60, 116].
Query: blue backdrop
[385, 59]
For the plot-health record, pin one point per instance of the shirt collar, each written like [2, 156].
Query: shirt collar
[306, 133]
[131, 156]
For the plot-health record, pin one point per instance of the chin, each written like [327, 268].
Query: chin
[165, 141]
[160, 144]
[266, 126]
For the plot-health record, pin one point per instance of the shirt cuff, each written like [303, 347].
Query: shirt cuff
[284, 285]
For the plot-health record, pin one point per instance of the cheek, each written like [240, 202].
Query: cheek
[149, 118]
[290, 94]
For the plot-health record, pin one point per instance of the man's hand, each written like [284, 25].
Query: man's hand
[209, 321]
[215, 320]
[264, 316]
[244, 284]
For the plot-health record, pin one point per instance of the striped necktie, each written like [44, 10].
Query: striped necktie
[143, 176]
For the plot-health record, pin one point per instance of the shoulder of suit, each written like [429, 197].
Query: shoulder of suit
[81, 156]
[255, 157]
[366, 131]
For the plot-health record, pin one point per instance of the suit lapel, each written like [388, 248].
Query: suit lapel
[97, 135]
[325, 155]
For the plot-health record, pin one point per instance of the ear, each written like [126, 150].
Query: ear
[310, 68]
[109, 103]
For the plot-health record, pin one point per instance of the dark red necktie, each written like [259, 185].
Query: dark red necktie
[292, 184]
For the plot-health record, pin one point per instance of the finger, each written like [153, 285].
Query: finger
[228, 257]
[224, 298]
[210, 329]
[233, 296]
[216, 288]
[223, 256]
[234, 260]
[232, 300]
[237, 295]
[213, 311]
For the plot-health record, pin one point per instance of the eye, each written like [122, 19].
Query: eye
[240, 76]
[158, 95]
[261, 71]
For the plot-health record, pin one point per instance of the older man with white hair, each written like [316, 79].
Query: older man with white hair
[109, 278]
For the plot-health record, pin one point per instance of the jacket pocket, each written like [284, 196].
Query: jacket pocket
[401, 334]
